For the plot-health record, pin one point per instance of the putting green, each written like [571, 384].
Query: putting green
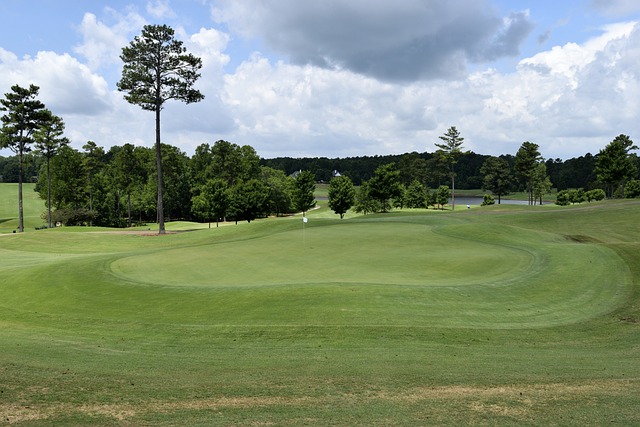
[377, 253]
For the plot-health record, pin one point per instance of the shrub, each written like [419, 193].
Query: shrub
[487, 200]
[596, 194]
[632, 189]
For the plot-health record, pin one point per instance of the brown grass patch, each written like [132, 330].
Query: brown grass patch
[517, 401]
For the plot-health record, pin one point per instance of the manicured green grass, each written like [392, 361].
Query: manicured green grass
[33, 207]
[503, 315]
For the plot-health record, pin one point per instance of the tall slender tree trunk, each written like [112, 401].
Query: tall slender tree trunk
[453, 189]
[48, 191]
[20, 211]
[90, 200]
[160, 208]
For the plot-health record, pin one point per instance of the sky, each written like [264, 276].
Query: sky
[343, 78]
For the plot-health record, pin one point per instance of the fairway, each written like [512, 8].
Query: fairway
[504, 315]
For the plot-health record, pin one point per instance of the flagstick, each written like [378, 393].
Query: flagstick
[304, 221]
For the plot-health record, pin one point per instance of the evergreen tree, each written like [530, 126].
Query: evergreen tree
[156, 70]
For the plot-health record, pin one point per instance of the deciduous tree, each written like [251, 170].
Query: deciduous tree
[342, 195]
[304, 186]
[157, 68]
[496, 176]
[385, 185]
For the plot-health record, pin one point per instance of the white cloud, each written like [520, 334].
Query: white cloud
[66, 85]
[102, 44]
[570, 100]
[160, 9]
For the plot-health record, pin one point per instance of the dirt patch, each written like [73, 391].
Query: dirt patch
[511, 401]
[580, 238]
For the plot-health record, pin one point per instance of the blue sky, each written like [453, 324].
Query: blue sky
[340, 78]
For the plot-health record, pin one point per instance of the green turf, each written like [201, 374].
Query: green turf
[504, 315]
[33, 207]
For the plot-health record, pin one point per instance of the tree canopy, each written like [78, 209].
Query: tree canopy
[450, 150]
[157, 68]
[24, 115]
[615, 164]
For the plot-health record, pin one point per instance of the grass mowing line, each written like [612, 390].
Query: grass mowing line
[375, 355]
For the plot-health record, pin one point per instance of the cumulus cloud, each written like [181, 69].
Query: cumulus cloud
[419, 40]
[570, 100]
[66, 85]
[160, 9]
[102, 43]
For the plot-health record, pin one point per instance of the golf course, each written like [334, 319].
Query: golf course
[497, 315]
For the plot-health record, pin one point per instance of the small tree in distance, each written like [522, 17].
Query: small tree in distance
[49, 140]
[304, 185]
[496, 176]
[342, 195]
[451, 149]
[157, 69]
[24, 114]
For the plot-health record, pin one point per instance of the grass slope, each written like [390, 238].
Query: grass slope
[33, 207]
[500, 315]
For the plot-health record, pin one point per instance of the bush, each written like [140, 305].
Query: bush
[632, 189]
[596, 194]
[567, 197]
[73, 216]
[563, 198]
[487, 200]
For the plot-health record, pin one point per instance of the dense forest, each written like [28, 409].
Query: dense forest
[224, 181]
[577, 172]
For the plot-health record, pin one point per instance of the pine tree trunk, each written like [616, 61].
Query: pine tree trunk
[48, 192]
[20, 211]
[160, 207]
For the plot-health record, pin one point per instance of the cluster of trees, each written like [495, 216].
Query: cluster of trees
[118, 187]
[229, 181]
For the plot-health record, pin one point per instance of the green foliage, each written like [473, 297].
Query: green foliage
[450, 150]
[73, 217]
[567, 197]
[632, 189]
[442, 196]
[416, 195]
[211, 201]
[526, 166]
[596, 194]
[615, 163]
[248, 200]
[488, 200]
[364, 202]
[280, 190]
[341, 194]
[496, 176]
[385, 185]
[24, 115]
[157, 69]
[304, 186]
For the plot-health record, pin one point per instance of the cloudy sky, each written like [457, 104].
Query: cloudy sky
[339, 78]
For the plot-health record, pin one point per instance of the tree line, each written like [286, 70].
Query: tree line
[127, 184]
